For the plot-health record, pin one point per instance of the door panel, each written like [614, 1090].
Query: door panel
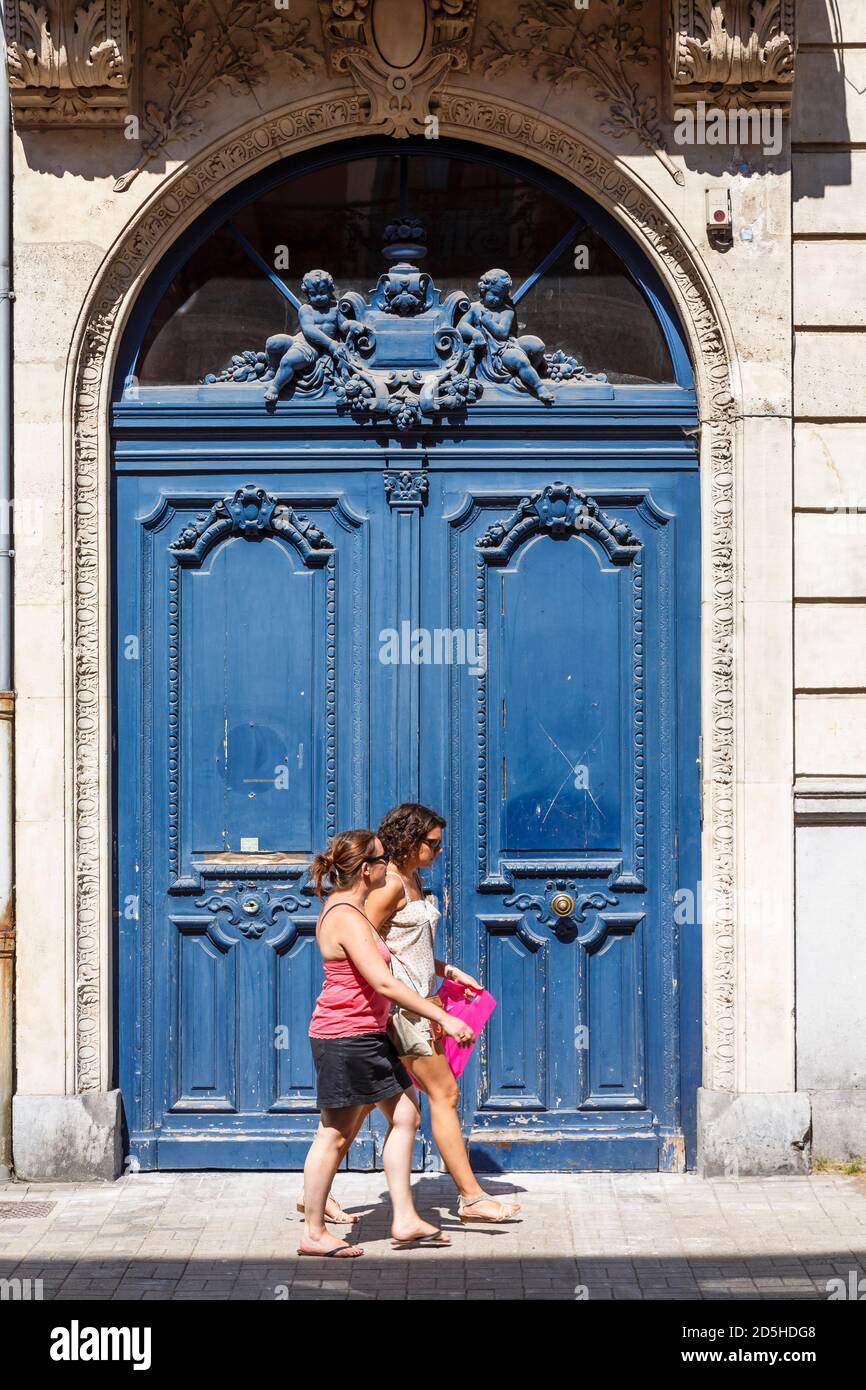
[571, 785]
[248, 724]
[242, 747]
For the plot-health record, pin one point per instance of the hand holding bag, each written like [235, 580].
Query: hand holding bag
[474, 1011]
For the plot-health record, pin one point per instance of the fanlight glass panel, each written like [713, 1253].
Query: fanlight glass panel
[476, 216]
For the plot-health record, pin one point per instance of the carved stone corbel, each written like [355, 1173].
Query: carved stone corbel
[732, 52]
[70, 63]
[399, 54]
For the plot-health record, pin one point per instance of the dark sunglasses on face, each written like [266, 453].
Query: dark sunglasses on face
[435, 845]
[379, 859]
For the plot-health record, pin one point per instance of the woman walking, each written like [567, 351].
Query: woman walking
[357, 1066]
[407, 918]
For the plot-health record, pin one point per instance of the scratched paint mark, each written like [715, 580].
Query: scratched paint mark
[575, 770]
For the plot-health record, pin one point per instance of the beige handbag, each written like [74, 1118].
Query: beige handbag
[406, 1037]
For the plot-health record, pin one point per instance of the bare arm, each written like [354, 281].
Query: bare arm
[382, 903]
[499, 325]
[358, 945]
[460, 977]
[316, 336]
[469, 330]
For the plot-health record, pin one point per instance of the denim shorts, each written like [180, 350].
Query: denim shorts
[357, 1070]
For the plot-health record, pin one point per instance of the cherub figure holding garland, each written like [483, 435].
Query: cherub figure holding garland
[324, 328]
[488, 326]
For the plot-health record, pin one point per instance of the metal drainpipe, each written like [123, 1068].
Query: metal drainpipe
[7, 695]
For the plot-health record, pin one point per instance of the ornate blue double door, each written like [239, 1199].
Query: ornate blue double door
[510, 638]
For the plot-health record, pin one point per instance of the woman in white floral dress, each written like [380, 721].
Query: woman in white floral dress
[407, 918]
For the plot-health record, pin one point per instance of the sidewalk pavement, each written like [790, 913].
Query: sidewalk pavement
[234, 1235]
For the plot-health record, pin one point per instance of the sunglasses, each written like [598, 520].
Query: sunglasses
[435, 845]
[379, 859]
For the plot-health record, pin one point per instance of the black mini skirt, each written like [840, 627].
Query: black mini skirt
[358, 1070]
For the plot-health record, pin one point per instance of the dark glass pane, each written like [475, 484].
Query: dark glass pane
[334, 218]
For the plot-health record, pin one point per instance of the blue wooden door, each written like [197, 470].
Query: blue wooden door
[566, 763]
[515, 646]
[246, 708]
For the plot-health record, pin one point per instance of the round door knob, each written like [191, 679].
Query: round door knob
[562, 904]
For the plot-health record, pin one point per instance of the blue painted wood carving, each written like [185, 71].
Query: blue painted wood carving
[405, 355]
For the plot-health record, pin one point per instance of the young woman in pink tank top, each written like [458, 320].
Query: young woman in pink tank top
[412, 834]
[356, 1063]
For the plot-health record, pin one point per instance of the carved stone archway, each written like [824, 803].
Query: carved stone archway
[487, 121]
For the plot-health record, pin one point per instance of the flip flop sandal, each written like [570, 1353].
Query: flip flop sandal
[342, 1219]
[435, 1238]
[339, 1252]
[463, 1202]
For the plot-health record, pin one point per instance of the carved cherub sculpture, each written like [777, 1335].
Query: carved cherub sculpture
[488, 326]
[324, 329]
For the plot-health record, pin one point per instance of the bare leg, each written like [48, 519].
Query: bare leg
[332, 1206]
[435, 1074]
[404, 1116]
[291, 362]
[275, 347]
[327, 1150]
[516, 360]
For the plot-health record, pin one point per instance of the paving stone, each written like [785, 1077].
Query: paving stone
[622, 1237]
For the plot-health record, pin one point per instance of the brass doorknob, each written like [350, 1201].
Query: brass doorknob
[562, 904]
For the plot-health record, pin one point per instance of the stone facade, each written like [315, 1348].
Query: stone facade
[209, 96]
[829, 401]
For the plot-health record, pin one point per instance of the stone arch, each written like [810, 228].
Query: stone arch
[467, 116]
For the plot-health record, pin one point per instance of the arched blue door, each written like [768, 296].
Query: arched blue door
[447, 563]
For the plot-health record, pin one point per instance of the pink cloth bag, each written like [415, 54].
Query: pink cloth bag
[474, 1011]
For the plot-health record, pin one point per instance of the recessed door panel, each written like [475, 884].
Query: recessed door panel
[249, 663]
[556, 677]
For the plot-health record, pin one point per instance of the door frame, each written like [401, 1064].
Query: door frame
[97, 349]
[626, 448]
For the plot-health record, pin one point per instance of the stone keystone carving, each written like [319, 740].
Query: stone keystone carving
[70, 64]
[732, 52]
[399, 54]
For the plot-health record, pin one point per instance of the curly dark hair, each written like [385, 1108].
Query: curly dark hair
[405, 826]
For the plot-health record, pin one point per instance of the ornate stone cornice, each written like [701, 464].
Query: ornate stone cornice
[205, 49]
[487, 121]
[601, 46]
[70, 64]
[399, 54]
[732, 52]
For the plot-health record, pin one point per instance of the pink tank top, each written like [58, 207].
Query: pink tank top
[348, 1003]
